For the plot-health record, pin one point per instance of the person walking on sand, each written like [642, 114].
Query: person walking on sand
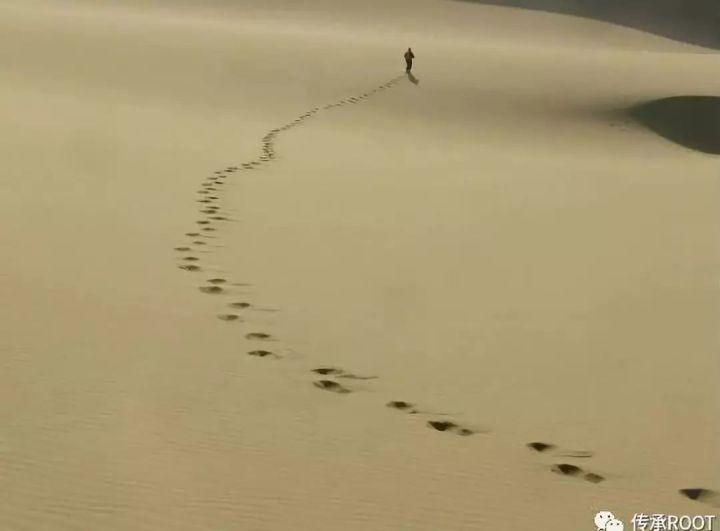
[409, 56]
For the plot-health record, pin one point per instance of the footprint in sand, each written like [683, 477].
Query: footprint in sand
[258, 336]
[262, 353]
[192, 234]
[706, 496]
[217, 281]
[228, 317]
[340, 373]
[182, 248]
[208, 229]
[542, 447]
[240, 305]
[191, 258]
[199, 242]
[412, 408]
[566, 469]
[594, 478]
[448, 426]
[328, 371]
[213, 290]
[401, 405]
[329, 385]
[190, 267]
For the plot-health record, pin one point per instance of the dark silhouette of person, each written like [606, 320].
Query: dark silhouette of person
[409, 56]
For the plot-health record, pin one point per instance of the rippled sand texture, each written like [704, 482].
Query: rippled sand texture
[256, 278]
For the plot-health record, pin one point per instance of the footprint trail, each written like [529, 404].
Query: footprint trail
[212, 218]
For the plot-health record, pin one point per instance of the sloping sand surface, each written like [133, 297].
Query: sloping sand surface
[501, 248]
[692, 21]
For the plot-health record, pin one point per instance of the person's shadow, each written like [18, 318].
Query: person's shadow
[412, 78]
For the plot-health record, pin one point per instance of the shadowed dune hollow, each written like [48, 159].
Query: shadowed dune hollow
[691, 121]
[692, 21]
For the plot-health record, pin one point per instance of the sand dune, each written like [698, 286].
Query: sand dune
[691, 21]
[258, 278]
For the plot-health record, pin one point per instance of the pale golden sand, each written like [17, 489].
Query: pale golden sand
[501, 245]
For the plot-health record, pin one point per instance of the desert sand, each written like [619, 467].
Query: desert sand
[518, 244]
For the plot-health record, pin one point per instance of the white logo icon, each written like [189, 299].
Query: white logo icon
[606, 521]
